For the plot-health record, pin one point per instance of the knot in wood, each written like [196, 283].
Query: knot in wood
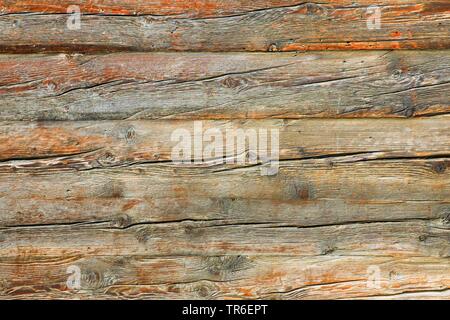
[143, 235]
[314, 9]
[221, 266]
[446, 218]
[439, 167]
[106, 159]
[231, 82]
[273, 48]
[130, 134]
[122, 221]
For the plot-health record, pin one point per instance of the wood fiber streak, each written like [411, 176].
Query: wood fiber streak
[223, 26]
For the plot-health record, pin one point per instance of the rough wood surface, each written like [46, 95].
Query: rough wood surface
[87, 179]
[85, 145]
[226, 277]
[257, 244]
[102, 196]
[223, 26]
[177, 8]
[224, 86]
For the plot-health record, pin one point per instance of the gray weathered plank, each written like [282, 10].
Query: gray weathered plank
[154, 210]
[121, 173]
[409, 238]
[84, 145]
[268, 27]
[175, 8]
[98, 190]
[219, 277]
[218, 86]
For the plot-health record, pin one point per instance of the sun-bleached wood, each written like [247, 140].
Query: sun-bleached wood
[223, 26]
[224, 86]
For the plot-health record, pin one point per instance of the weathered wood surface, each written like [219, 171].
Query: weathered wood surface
[306, 215]
[86, 171]
[223, 26]
[226, 277]
[349, 194]
[85, 145]
[177, 8]
[293, 248]
[224, 86]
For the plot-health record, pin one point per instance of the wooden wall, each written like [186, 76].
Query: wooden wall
[86, 177]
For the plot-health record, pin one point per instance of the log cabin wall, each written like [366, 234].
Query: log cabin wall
[359, 206]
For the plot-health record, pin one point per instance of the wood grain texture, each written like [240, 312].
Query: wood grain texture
[149, 210]
[224, 86]
[86, 172]
[349, 194]
[322, 238]
[177, 8]
[145, 230]
[224, 26]
[85, 145]
[226, 277]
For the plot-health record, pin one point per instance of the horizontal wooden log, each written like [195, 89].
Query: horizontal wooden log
[224, 86]
[408, 238]
[85, 145]
[318, 146]
[224, 26]
[313, 207]
[177, 8]
[97, 189]
[224, 277]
